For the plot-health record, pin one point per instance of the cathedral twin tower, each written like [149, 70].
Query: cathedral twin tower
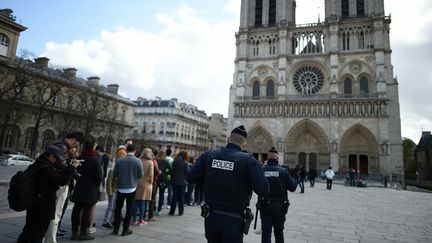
[322, 93]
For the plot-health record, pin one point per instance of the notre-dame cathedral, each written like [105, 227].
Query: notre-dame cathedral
[324, 93]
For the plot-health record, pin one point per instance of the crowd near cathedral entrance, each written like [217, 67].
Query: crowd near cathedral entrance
[324, 93]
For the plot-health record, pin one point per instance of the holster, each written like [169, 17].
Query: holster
[286, 206]
[247, 220]
[205, 210]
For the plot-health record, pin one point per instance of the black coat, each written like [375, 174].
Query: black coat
[180, 169]
[47, 182]
[87, 187]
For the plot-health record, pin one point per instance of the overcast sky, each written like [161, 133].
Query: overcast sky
[186, 48]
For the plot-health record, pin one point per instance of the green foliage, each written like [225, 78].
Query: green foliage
[408, 156]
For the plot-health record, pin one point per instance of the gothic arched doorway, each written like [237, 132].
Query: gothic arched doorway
[359, 151]
[307, 144]
[259, 143]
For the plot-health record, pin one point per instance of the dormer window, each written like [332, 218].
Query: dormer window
[4, 44]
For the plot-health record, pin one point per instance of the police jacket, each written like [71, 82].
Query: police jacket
[229, 176]
[280, 181]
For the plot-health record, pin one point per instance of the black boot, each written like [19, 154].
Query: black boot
[85, 236]
[127, 232]
[74, 235]
[115, 231]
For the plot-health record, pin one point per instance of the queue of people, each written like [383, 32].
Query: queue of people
[221, 181]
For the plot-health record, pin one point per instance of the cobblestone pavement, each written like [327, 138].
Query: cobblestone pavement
[344, 214]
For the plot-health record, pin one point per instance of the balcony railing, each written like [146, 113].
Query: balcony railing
[309, 97]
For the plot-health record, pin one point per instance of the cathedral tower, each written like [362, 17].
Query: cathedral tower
[322, 93]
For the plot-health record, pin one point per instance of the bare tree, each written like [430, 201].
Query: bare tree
[93, 106]
[43, 98]
[13, 83]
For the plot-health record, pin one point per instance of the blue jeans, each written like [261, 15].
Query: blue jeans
[139, 211]
[109, 213]
[188, 196]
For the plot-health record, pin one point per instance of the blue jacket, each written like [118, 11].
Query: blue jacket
[229, 176]
[280, 181]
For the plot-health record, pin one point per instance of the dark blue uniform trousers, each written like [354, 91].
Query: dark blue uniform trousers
[223, 229]
[272, 215]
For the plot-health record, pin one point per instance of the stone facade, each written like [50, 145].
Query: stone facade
[218, 130]
[40, 104]
[322, 93]
[171, 124]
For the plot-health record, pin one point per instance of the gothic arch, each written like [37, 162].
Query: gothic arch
[356, 67]
[259, 140]
[261, 72]
[359, 150]
[358, 139]
[307, 137]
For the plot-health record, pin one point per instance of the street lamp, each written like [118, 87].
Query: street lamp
[401, 179]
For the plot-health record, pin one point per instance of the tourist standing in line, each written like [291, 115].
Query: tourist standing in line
[144, 189]
[111, 190]
[329, 174]
[127, 171]
[190, 187]
[86, 191]
[170, 160]
[156, 174]
[165, 181]
[178, 182]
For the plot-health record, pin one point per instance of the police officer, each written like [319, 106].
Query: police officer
[229, 176]
[274, 206]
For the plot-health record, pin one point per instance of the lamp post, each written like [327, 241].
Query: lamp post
[401, 177]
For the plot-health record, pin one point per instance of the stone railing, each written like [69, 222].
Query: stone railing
[338, 106]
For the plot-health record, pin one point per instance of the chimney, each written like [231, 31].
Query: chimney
[70, 72]
[94, 81]
[43, 61]
[113, 88]
[7, 12]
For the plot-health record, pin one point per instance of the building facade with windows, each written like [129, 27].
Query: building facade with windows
[218, 130]
[171, 124]
[423, 155]
[323, 93]
[40, 104]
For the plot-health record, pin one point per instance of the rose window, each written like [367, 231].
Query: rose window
[308, 80]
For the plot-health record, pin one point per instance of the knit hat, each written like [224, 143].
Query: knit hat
[241, 130]
[273, 150]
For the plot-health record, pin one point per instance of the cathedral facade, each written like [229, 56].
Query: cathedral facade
[323, 93]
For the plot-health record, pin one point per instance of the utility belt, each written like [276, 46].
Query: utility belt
[265, 202]
[246, 217]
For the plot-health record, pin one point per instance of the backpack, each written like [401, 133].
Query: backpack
[21, 193]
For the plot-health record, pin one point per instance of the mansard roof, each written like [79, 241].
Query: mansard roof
[425, 141]
[59, 75]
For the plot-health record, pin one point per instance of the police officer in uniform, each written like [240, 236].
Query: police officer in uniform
[229, 176]
[274, 206]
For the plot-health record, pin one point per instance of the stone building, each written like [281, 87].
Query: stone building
[423, 155]
[323, 93]
[164, 124]
[40, 104]
[218, 130]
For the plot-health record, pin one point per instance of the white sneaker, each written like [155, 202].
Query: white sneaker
[92, 230]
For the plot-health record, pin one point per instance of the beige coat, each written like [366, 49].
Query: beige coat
[145, 184]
